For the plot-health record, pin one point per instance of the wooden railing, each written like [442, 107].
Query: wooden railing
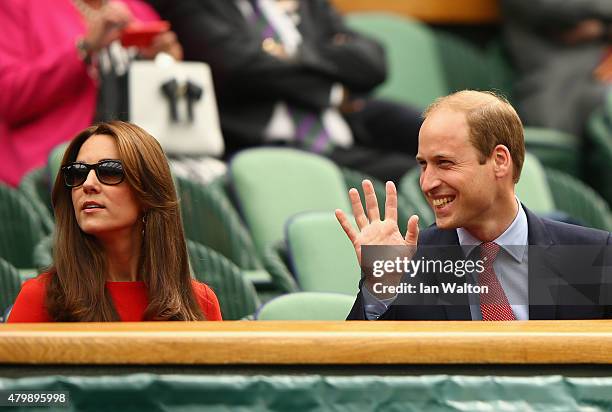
[430, 11]
[308, 343]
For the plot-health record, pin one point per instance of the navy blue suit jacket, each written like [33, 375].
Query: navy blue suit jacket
[549, 263]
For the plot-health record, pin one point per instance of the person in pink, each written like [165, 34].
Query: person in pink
[50, 71]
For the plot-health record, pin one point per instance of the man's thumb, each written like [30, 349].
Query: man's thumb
[412, 234]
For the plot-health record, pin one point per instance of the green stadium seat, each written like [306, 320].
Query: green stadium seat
[274, 184]
[579, 200]
[37, 189]
[10, 284]
[406, 42]
[555, 149]
[54, 162]
[210, 219]
[532, 188]
[307, 306]
[321, 255]
[410, 188]
[599, 155]
[43, 253]
[271, 185]
[20, 228]
[275, 261]
[467, 67]
[236, 294]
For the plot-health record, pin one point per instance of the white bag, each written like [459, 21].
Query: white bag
[150, 85]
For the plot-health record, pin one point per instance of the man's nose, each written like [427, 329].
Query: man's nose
[429, 180]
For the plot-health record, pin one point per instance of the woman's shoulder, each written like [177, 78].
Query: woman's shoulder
[30, 303]
[36, 285]
[207, 299]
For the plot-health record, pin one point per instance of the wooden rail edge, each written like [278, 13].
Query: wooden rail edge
[308, 343]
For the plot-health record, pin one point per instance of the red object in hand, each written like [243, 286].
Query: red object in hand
[141, 34]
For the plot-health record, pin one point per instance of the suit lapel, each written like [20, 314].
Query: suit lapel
[542, 268]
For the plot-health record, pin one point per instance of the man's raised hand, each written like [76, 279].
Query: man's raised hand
[371, 229]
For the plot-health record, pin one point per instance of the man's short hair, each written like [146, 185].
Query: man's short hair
[492, 121]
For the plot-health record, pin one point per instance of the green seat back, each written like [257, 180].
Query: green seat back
[54, 162]
[274, 184]
[410, 188]
[532, 188]
[322, 256]
[415, 74]
[275, 263]
[36, 188]
[307, 306]
[599, 133]
[464, 66]
[236, 295]
[10, 284]
[43, 253]
[20, 228]
[210, 219]
[578, 200]
[555, 149]
[467, 67]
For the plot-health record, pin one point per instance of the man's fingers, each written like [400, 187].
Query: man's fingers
[391, 202]
[370, 200]
[346, 225]
[360, 217]
[412, 234]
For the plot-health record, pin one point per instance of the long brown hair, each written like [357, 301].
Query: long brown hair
[77, 291]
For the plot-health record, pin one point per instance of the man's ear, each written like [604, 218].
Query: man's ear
[502, 161]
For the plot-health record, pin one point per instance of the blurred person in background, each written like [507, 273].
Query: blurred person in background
[292, 73]
[562, 51]
[119, 250]
[62, 67]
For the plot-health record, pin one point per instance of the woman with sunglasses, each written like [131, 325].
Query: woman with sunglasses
[120, 250]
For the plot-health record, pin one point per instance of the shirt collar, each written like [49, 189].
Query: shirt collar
[513, 240]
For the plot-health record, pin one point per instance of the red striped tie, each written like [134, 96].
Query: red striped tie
[494, 304]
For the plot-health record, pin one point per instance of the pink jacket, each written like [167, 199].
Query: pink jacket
[46, 94]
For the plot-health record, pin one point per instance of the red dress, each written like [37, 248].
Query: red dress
[130, 300]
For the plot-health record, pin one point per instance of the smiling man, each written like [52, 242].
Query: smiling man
[471, 151]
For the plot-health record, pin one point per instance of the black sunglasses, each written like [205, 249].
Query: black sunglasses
[108, 172]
